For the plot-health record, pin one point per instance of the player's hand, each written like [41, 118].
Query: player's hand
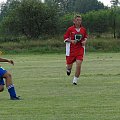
[73, 41]
[11, 62]
[83, 43]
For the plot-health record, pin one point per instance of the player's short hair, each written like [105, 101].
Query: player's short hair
[77, 15]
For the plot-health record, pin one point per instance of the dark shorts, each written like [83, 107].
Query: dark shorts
[2, 72]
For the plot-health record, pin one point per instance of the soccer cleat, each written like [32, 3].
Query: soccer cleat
[15, 98]
[68, 72]
[74, 83]
[75, 79]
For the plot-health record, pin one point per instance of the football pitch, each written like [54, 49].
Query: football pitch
[48, 94]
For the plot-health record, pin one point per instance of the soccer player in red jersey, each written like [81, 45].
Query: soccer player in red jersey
[75, 39]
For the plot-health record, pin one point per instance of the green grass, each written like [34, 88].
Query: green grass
[49, 95]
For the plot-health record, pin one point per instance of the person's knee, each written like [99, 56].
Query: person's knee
[78, 63]
[1, 88]
[7, 75]
[69, 66]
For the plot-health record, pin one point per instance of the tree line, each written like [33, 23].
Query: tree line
[34, 19]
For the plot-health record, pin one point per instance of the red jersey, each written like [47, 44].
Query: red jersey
[74, 49]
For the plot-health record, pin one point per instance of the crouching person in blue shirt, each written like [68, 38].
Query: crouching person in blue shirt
[5, 75]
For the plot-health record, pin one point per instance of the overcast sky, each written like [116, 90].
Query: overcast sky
[106, 2]
[2, 1]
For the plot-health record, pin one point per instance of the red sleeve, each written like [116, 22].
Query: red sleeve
[67, 34]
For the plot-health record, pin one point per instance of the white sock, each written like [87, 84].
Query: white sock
[75, 79]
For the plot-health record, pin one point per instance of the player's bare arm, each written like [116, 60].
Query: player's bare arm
[6, 60]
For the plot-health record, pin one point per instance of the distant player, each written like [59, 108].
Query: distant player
[75, 39]
[8, 79]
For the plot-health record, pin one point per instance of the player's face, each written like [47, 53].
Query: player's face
[77, 21]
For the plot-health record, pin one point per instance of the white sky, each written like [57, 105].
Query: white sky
[106, 2]
[2, 1]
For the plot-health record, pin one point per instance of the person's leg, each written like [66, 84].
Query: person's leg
[1, 84]
[78, 68]
[68, 69]
[2, 72]
[1, 88]
[69, 63]
[10, 86]
[77, 72]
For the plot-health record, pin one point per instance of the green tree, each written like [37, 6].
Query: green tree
[97, 21]
[115, 2]
[114, 6]
[31, 18]
[84, 6]
[118, 22]
[70, 6]
[8, 17]
[7, 7]
[63, 6]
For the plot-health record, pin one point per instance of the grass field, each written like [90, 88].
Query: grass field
[49, 95]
